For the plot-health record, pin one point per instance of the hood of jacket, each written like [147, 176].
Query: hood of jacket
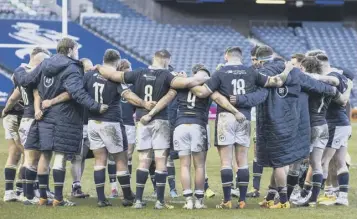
[57, 63]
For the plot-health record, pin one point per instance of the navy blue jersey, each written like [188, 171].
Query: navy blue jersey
[318, 105]
[337, 114]
[150, 85]
[191, 109]
[105, 92]
[18, 109]
[27, 98]
[127, 111]
[236, 80]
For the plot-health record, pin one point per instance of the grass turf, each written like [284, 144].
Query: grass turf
[87, 207]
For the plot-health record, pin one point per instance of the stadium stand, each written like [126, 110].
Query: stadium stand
[189, 44]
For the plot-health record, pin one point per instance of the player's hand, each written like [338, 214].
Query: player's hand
[145, 119]
[103, 108]
[38, 114]
[182, 74]
[149, 105]
[46, 104]
[233, 99]
[289, 66]
[96, 67]
[350, 83]
[3, 113]
[239, 116]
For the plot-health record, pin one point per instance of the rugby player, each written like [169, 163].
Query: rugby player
[11, 115]
[60, 129]
[152, 84]
[234, 79]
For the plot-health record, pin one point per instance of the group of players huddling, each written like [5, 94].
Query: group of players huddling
[61, 107]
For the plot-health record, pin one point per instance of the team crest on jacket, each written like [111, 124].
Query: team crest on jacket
[48, 82]
[282, 91]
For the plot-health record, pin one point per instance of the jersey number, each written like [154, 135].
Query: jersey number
[191, 100]
[98, 92]
[24, 96]
[238, 86]
[148, 93]
[322, 104]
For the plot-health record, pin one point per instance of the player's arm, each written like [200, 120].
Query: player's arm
[208, 88]
[110, 74]
[161, 104]
[63, 97]
[11, 102]
[309, 84]
[279, 80]
[73, 84]
[224, 103]
[250, 100]
[133, 99]
[331, 80]
[201, 91]
[26, 79]
[344, 98]
[181, 82]
[37, 105]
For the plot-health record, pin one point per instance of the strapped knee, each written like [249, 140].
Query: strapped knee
[59, 162]
[160, 153]
[184, 153]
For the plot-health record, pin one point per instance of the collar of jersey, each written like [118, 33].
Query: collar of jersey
[233, 63]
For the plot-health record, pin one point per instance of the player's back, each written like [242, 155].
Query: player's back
[237, 80]
[337, 114]
[318, 105]
[27, 97]
[191, 109]
[150, 85]
[127, 111]
[105, 92]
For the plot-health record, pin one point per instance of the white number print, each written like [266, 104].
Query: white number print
[191, 100]
[24, 96]
[148, 93]
[322, 104]
[238, 86]
[98, 92]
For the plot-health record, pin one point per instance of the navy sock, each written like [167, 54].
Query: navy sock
[243, 181]
[36, 185]
[257, 175]
[124, 180]
[99, 180]
[343, 181]
[199, 194]
[141, 177]
[316, 186]
[160, 178]
[130, 166]
[227, 178]
[171, 178]
[58, 180]
[112, 170]
[283, 195]
[152, 174]
[23, 176]
[206, 184]
[43, 180]
[20, 182]
[10, 174]
[292, 181]
[271, 193]
[30, 179]
[323, 184]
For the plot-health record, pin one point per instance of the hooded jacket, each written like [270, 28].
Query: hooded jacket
[60, 130]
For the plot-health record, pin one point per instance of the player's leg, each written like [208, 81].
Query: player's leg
[112, 170]
[272, 192]
[43, 171]
[293, 179]
[130, 133]
[209, 193]
[152, 169]
[31, 163]
[182, 144]
[317, 176]
[171, 174]
[235, 187]
[100, 161]
[242, 140]
[257, 173]
[280, 175]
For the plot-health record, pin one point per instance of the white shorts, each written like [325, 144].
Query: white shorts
[107, 135]
[24, 129]
[229, 131]
[319, 137]
[85, 131]
[11, 126]
[338, 136]
[155, 135]
[130, 133]
[190, 137]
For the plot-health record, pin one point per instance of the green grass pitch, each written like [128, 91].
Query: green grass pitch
[87, 209]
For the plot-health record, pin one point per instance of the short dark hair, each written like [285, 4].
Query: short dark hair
[124, 64]
[312, 65]
[322, 57]
[254, 50]
[65, 44]
[111, 56]
[234, 51]
[38, 50]
[163, 54]
[200, 67]
[264, 52]
[315, 52]
[298, 56]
